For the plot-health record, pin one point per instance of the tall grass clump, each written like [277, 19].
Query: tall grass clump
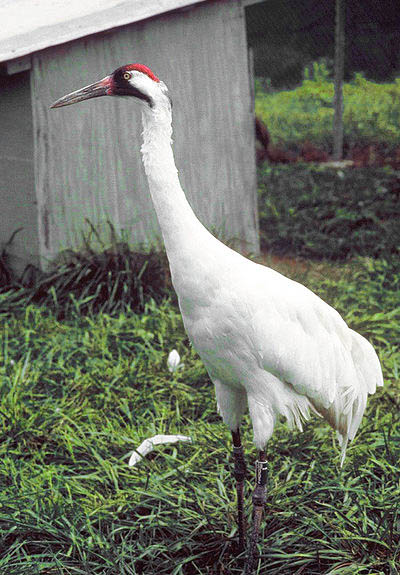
[109, 280]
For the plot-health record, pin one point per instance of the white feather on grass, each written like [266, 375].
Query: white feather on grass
[147, 446]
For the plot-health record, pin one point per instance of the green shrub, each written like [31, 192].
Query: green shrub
[371, 112]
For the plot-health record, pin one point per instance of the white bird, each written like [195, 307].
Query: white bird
[268, 343]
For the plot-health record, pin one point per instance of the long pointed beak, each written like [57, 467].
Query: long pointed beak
[102, 88]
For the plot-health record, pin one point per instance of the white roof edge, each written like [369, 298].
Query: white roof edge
[61, 28]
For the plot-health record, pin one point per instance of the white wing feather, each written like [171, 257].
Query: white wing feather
[306, 343]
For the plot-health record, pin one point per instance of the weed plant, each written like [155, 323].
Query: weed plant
[79, 394]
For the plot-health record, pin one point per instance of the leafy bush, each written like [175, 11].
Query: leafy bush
[371, 112]
[324, 213]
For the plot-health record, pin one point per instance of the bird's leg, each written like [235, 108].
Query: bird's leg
[258, 506]
[239, 473]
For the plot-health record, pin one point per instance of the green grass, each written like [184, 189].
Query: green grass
[371, 112]
[79, 394]
[314, 212]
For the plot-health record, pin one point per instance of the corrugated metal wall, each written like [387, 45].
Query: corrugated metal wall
[87, 156]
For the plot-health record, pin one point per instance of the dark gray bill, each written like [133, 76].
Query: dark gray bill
[95, 90]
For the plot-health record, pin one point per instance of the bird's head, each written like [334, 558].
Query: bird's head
[132, 80]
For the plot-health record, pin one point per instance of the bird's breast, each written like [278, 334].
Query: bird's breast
[213, 298]
[219, 334]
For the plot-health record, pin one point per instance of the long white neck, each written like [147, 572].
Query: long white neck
[179, 225]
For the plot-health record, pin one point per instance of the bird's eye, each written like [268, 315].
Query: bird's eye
[127, 76]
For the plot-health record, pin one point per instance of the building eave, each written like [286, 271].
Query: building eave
[18, 39]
